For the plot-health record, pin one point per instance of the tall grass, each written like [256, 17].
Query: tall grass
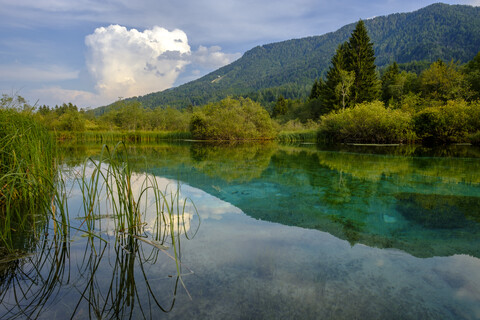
[27, 174]
[139, 208]
[143, 214]
[34, 196]
[297, 136]
[125, 136]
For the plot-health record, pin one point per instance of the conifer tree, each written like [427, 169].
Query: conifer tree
[356, 56]
[316, 89]
[360, 58]
[339, 63]
[389, 79]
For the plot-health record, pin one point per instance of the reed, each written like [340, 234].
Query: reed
[27, 175]
[148, 219]
[125, 136]
[138, 206]
[297, 136]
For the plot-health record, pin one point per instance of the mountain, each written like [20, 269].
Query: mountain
[439, 31]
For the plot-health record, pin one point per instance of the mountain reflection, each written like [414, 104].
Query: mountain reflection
[359, 197]
[381, 197]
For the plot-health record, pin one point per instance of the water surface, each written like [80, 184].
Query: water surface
[286, 232]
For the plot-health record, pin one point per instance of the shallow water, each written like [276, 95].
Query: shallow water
[286, 232]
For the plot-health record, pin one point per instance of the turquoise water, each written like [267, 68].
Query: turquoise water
[285, 232]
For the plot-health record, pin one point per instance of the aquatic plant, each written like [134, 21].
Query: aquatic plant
[137, 136]
[98, 286]
[297, 136]
[144, 219]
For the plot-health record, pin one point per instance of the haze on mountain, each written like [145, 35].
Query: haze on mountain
[289, 68]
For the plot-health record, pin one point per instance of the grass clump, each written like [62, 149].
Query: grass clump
[297, 136]
[27, 172]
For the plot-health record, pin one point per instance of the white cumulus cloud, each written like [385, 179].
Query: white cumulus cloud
[128, 62]
[213, 57]
[80, 98]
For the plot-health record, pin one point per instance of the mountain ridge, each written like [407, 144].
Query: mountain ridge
[289, 67]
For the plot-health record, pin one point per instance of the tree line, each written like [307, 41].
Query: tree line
[436, 102]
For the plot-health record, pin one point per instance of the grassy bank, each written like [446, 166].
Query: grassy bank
[125, 136]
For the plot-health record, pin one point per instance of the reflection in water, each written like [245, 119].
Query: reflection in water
[239, 163]
[251, 268]
[357, 197]
[90, 282]
[439, 211]
[127, 223]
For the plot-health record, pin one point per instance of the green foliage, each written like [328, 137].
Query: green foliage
[367, 123]
[297, 136]
[451, 122]
[328, 99]
[352, 76]
[280, 107]
[317, 88]
[232, 119]
[15, 102]
[344, 86]
[472, 76]
[443, 82]
[475, 138]
[397, 86]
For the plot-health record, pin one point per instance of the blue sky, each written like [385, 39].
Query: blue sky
[91, 52]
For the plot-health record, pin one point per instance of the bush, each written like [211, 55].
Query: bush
[368, 122]
[232, 119]
[445, 124]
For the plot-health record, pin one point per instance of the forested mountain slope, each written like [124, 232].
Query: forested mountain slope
[438, 31]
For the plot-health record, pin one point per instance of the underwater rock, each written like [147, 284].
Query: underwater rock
[389, 219]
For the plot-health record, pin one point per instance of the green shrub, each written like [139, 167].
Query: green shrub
[444, 124]
[367, 123]
[232, 119]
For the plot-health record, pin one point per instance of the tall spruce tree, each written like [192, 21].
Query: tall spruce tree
[339, 63]
[360, 58]
[357, 56]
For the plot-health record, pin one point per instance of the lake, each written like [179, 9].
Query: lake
[270, 232]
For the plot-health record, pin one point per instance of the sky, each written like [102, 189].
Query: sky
[93, 52]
